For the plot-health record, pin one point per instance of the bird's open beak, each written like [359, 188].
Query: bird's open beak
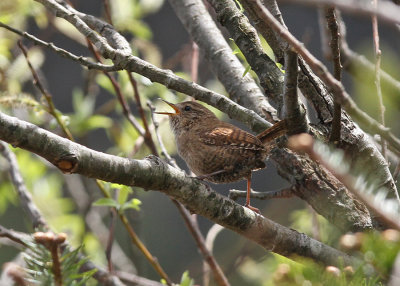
[177, 111]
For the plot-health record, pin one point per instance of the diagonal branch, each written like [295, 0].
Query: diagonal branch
[152, 173]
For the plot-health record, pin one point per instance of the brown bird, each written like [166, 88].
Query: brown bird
[217, 151]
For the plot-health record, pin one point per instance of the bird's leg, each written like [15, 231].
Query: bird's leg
[247, 205]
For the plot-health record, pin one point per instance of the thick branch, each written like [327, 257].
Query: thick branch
[152, 173]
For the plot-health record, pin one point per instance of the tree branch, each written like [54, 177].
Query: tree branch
[152, 173]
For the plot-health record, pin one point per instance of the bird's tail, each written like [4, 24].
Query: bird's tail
[277, 130]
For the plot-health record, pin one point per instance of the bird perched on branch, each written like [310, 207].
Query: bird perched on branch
[217, 151]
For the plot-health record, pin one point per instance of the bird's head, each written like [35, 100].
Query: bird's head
[187, 115]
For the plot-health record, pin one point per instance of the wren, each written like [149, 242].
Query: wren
[217, 151]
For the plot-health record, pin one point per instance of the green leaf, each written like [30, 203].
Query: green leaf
[248, 68]
[132, 204]
[186, 280]
[123, 194]
[106, 202]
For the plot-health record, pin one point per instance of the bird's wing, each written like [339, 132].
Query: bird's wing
[231, 137]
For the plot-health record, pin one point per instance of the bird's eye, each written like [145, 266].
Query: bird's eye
[187, 108]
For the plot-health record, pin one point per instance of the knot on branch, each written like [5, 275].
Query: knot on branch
[67, 164]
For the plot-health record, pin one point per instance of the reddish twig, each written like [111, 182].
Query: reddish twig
[107, 10]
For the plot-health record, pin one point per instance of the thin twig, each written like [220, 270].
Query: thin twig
[51, 108]
[278, 194]
[13, 235]
[64, 53]
[334, 43]
[378, 55]
[107, 10]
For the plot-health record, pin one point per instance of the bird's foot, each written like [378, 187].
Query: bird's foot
[253, 208]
